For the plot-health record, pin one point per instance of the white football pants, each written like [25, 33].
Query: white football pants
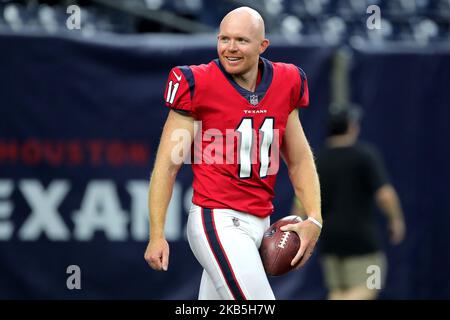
[226, 243]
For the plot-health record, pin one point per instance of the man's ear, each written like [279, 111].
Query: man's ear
[264, 44]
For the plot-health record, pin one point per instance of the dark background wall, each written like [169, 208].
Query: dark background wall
[80, 123]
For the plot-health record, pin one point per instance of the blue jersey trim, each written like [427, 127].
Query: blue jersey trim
[263, 86]
[187, 72]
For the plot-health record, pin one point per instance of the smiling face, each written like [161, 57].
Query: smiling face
[241, 41]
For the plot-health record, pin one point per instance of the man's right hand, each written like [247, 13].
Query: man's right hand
[157, 254]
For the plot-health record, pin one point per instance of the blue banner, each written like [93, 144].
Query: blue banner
[81, 122]
[80, 125]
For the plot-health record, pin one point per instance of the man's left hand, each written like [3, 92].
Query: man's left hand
[309, 234]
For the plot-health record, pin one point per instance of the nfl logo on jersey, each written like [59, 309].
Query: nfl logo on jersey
[253, 99]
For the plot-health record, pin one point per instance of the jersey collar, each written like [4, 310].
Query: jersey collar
[252, 97]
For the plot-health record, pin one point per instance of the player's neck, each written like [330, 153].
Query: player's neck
[248, 80]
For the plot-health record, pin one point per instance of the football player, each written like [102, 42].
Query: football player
[252, 103]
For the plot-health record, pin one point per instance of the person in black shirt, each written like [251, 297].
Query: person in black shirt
[352, 176]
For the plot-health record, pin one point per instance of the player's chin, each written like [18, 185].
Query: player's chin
[234, 70]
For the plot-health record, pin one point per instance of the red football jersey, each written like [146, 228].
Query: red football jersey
[235, 154]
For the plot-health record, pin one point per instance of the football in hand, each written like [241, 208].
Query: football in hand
[278, 248]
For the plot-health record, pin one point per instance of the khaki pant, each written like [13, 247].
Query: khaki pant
[352, 271]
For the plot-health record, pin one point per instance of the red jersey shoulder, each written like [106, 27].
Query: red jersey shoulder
[203, 70]
[297, 80]
[178, 89]
[181, 86]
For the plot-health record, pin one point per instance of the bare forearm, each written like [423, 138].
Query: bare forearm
[299, 159]
[306, 186]
[167, 167]
[160, 193]
[389, 203]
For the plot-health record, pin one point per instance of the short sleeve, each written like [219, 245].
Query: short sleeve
[180, 89]
[303, 100]
[300, 92]
[377, 175]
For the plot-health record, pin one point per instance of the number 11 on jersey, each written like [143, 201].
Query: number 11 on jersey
[172, 91]
[266, 134]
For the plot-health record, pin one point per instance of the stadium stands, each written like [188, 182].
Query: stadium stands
[331, 21]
